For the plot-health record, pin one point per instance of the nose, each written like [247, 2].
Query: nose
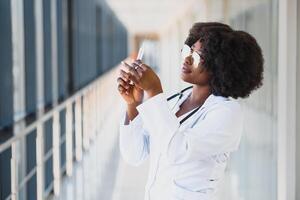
[188, 60]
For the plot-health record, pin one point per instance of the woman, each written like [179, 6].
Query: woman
[189, 136]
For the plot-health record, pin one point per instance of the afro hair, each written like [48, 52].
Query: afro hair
[233, 58]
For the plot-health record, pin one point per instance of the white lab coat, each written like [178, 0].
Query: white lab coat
[187, 161]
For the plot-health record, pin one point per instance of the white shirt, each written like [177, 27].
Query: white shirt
[187, 161]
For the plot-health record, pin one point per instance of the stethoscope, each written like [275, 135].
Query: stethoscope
[180, 96]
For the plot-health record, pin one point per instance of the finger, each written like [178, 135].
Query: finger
[123, 83]
[126, 65]
[134, 74]
[121, 89]
[138, 62]
[124, 75]
[131, 68]
[137, 68]
[135, 65]
[140, 71]
[134, 79]
[143, 66]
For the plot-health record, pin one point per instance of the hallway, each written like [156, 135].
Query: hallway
[60, 108]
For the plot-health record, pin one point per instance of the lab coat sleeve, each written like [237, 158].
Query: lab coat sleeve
[158, 119]
[134, 141]
[218, 132]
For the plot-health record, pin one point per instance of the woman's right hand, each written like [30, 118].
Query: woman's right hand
[132, 94]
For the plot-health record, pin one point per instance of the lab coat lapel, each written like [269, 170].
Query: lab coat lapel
[200, 114]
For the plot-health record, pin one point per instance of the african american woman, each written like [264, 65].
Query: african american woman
[189, 136]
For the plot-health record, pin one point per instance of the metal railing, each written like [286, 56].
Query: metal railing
[89, 113]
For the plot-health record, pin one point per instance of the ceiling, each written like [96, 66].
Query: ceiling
[147, 16]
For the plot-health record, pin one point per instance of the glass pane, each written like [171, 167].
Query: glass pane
[298, 111]
[252, 172]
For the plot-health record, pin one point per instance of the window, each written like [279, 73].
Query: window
[6, 94]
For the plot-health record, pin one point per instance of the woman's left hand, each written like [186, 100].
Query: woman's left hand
[144, 77]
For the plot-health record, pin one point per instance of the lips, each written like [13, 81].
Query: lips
[185, 69]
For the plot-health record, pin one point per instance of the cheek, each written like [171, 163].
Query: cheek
[200, 67]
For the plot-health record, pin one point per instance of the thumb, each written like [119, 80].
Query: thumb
[143, 66]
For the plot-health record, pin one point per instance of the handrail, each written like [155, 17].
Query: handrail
[5, 145]
[84, 116]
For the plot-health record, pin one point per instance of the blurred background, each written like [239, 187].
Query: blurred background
[60, 109]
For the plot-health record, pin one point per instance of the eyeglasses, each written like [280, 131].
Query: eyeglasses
[186, 51]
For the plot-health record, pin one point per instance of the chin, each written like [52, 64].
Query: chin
[190, 80]
[185, 78]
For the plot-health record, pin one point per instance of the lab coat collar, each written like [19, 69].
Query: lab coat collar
[181, 100]
[212, 99]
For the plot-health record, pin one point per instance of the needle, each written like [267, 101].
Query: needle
[141, 52]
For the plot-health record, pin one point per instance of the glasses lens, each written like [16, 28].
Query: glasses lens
[185, 52]
[196, 58]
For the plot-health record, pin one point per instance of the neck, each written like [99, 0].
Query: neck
[199, 94]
